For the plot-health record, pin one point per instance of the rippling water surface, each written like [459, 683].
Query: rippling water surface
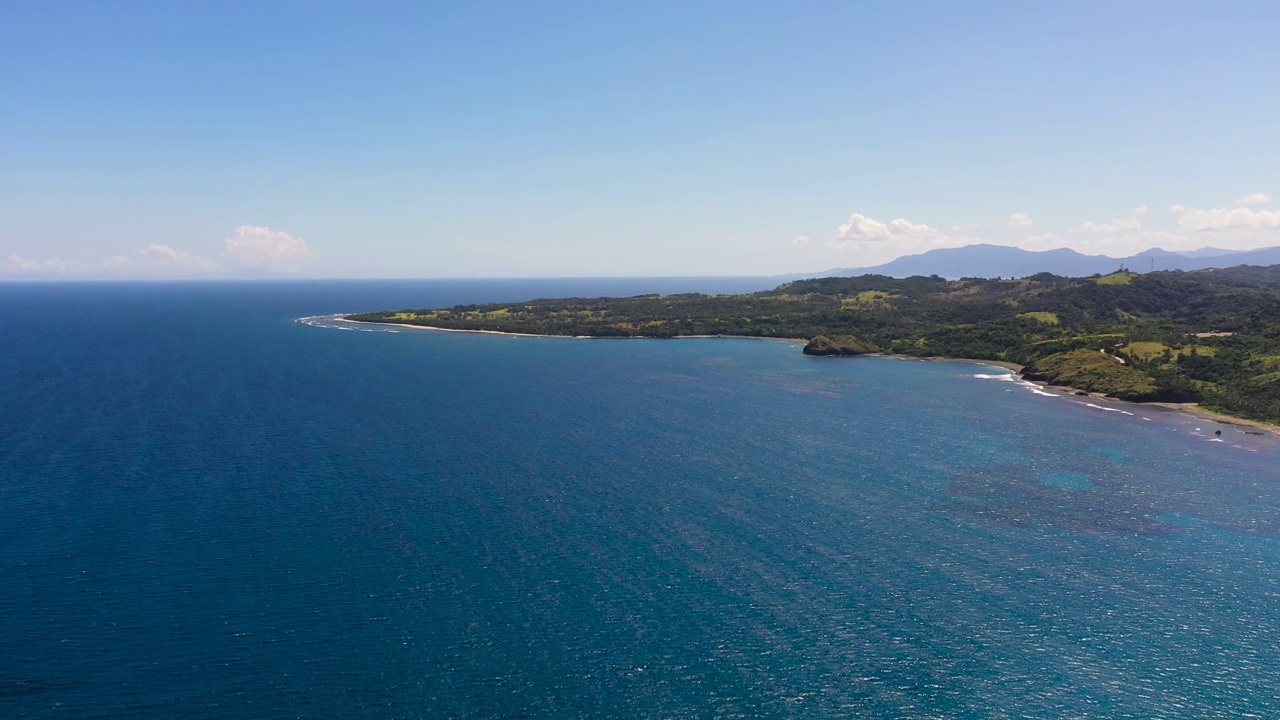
[209, 510]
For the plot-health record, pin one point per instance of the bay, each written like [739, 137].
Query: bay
[208, 509]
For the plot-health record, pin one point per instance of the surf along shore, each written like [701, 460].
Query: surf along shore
[1192, 409]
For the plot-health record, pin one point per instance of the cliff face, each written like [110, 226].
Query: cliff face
[838, 345]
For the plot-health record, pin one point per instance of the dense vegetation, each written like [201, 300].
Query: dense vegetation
[1210, 336]
[838, 345]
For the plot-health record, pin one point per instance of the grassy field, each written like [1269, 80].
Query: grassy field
[1043, 316]
[1116, 278]
[1148, 351]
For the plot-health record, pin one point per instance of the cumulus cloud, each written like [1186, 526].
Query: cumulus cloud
[1246, 226]
[869, 240]
[800, 242]
[862, 229]
[253, 249]
[1045, 241]
[1254, 200]
[1236, 228]
[1124, 225]
[1116, 244]
[1118, 225]
[166, 254]
[1117, 237]
[1191, 220]
[262, 248]
[152, 261]
[17, 266]
[164, 260]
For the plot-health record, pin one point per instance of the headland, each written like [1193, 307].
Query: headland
[1192, 341]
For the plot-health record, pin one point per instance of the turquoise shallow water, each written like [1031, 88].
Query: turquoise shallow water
[210, 510]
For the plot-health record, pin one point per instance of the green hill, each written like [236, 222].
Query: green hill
[1096, 371]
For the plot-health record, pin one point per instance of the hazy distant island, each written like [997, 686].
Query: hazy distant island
[1210, 337]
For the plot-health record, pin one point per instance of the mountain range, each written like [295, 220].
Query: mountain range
[991, 261]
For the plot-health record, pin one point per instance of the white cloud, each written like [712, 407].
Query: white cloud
[1254, 200]
[1238, 228]
[151, 261]
[1118, 225]
[800, 242]
[868, 241]
[262, 248]
[164, 253]
[862, 229]
[1112, 244]
[1191, 220]
[865, 241]
[252, 248]
[1125, 225]
[1047, 241]
[163, 260]
[18, 266]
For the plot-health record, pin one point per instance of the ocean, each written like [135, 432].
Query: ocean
[209, 509]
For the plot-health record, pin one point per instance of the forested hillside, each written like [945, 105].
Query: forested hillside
[1211, 336]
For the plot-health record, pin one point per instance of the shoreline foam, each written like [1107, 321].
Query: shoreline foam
[1082, 397]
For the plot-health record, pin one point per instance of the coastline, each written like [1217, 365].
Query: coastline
[1192, 409]
[1213, 416]
[456, 330]
[732, 337]
[433, 328]
[970, 361]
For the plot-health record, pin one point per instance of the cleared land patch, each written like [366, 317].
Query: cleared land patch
[1045, 317]
[1116, 278]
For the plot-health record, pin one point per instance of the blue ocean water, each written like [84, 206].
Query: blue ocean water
[210, 510]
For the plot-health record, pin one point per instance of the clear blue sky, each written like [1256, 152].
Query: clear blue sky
[663, 138]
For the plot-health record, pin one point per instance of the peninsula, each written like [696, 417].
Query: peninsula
[1210, 337]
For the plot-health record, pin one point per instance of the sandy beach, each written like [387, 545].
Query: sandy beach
[1200, 412]
[1185, 408]
[997, 363]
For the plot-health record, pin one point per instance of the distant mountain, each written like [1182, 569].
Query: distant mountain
[1002, 261]
[1209, 252]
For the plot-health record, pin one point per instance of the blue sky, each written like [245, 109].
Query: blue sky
[491, 139]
